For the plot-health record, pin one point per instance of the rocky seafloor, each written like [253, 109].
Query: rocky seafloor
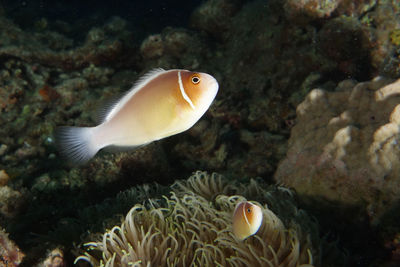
[308, 100]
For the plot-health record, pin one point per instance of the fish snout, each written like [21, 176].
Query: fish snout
[211, 83]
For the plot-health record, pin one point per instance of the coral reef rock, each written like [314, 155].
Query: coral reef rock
[10, 201]
[10, 254]
[345, 146]
[192, 227]
[325, 8]
[312, 8]
[55, 258]
[53, 49]
[214, 16]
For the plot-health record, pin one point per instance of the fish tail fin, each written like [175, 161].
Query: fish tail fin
[76, 143]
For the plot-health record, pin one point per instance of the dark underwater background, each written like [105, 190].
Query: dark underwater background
[60, 59]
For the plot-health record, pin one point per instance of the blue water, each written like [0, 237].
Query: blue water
[143, 16]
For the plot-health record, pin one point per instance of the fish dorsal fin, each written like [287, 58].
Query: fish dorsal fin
[105, 107]
[114, 105]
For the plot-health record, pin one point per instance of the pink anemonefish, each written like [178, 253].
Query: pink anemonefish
[247, 219]
[162, 103]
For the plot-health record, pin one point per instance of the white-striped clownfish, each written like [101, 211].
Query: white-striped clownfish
[162, 103]
[247, 219]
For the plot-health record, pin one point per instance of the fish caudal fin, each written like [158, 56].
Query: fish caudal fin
[76, 143]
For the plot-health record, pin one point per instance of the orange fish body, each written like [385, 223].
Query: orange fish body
[160, 104]
[247, 219]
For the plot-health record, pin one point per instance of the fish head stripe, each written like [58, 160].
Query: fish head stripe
[198, 88]
[244, 208]
[182, 89]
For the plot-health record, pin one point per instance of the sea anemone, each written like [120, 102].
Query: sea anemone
[193, 228]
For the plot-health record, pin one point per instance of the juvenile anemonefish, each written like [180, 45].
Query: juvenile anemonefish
[162, 103]
[247, 219]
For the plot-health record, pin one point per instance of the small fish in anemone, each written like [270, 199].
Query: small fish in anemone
[162, 103]
[247, 219]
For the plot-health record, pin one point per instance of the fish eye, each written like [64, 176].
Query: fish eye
[195, 79]
[248, 210]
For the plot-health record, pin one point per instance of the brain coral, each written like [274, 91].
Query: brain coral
[193, 228]
[345, 145]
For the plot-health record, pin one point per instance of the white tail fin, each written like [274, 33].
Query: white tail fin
[76, 143]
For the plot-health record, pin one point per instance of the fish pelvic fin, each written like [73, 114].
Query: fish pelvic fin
[76, 143]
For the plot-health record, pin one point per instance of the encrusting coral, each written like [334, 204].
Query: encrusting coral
[193, 228]
[345, 146]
